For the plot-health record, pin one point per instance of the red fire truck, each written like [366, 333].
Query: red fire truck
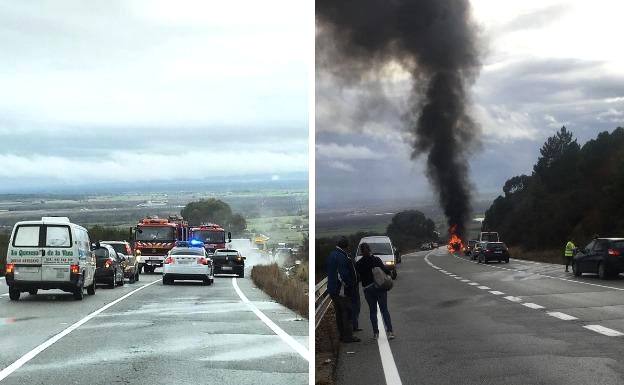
[211, 235]
[154, 237]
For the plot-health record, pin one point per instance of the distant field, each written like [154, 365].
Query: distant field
[279, 228]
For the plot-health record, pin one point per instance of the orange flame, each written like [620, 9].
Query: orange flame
[455, 243]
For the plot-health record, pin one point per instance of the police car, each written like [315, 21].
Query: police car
[52, 253]
[188, 261]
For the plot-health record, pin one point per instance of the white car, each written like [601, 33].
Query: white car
[188, 263]
[381, 246]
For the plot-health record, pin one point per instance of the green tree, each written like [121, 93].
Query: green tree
[207, 211]
[408, 229]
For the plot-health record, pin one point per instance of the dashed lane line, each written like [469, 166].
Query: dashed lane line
[561, 316]
[604, 331]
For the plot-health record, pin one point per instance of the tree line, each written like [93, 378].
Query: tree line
[573, 192]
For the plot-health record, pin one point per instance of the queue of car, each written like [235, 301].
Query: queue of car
[53, 253]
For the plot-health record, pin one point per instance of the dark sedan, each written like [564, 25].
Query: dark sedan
[227, 261]
[602, 256]
[491, 251]
[109, 266]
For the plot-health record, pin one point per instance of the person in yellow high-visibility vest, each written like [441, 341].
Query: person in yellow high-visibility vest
[569, 253]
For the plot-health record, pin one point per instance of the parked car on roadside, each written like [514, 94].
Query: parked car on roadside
[131, 266]
[602, 256]
[228, 261]
[188, 263]
[110, 268]
[492, 251]
[381, 246]
[51, 253]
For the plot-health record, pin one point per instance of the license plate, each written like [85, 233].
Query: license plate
[498, 252]
[184, 261]
[28, 269]
[226, 268]
[60, 273]
[154, 258]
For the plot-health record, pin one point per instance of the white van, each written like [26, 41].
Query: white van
[52, 253]
[381, 246]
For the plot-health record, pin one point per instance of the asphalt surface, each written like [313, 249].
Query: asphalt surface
[459, 322]
[182, 334]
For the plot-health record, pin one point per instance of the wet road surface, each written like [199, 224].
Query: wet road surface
[187, 333]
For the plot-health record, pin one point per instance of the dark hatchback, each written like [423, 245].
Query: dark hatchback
[227, 261]
[109, 266]
[491, 251]
[470, 247]
[602, 256]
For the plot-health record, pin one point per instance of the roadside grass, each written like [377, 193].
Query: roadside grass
[549, 256]
[291, 292]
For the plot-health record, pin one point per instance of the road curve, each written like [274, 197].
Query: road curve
[460, 322]
[183, 334]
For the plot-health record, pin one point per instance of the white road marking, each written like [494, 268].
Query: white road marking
[483, 287]
[473, 284]
[465, 280]
[459, 278]
[4, 373]
[603, 330]
[513, 299]
[496, 292]
[563, 316]
[4, 295]
[303, 352]
[387, 359]
[533, 305]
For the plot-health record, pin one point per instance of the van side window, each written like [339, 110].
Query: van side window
[58, 236]
[27, 236]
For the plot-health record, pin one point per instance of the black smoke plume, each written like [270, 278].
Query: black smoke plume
[436, 42]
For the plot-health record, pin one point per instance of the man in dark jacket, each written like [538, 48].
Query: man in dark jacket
[341, 281]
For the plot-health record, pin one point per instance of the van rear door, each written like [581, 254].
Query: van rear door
[58, 253]
[25, 252]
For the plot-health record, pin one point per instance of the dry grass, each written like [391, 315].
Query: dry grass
[291, 292]
[549, 256]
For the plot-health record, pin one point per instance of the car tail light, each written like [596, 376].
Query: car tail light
[107, 264]
[614, 252]
[239, 259]
[168, 260]
[202, 261]
[74, 269]
[10, 268]
[128, 250]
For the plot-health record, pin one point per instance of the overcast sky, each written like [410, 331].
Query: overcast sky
[545, 64]
[127, 90]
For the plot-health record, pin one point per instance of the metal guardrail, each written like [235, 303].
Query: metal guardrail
[322, 301]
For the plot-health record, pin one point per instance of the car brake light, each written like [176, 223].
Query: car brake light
[128, 250]
[74, 269]
[202, 261]
[10, 267]
[107, 264]
[168, 260]
[614, 252]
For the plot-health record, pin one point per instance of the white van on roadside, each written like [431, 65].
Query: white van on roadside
[381, 246]
[52, 253]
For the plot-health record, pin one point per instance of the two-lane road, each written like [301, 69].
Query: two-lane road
[187, 333]
[460, 322]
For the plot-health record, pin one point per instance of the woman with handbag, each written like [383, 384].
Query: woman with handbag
[374, 292]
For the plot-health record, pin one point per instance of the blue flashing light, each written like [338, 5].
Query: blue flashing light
[196, 243]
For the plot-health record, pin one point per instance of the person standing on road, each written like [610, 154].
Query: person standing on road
[569, 253]
[355, 298]
[373, 294]
[341, 282]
